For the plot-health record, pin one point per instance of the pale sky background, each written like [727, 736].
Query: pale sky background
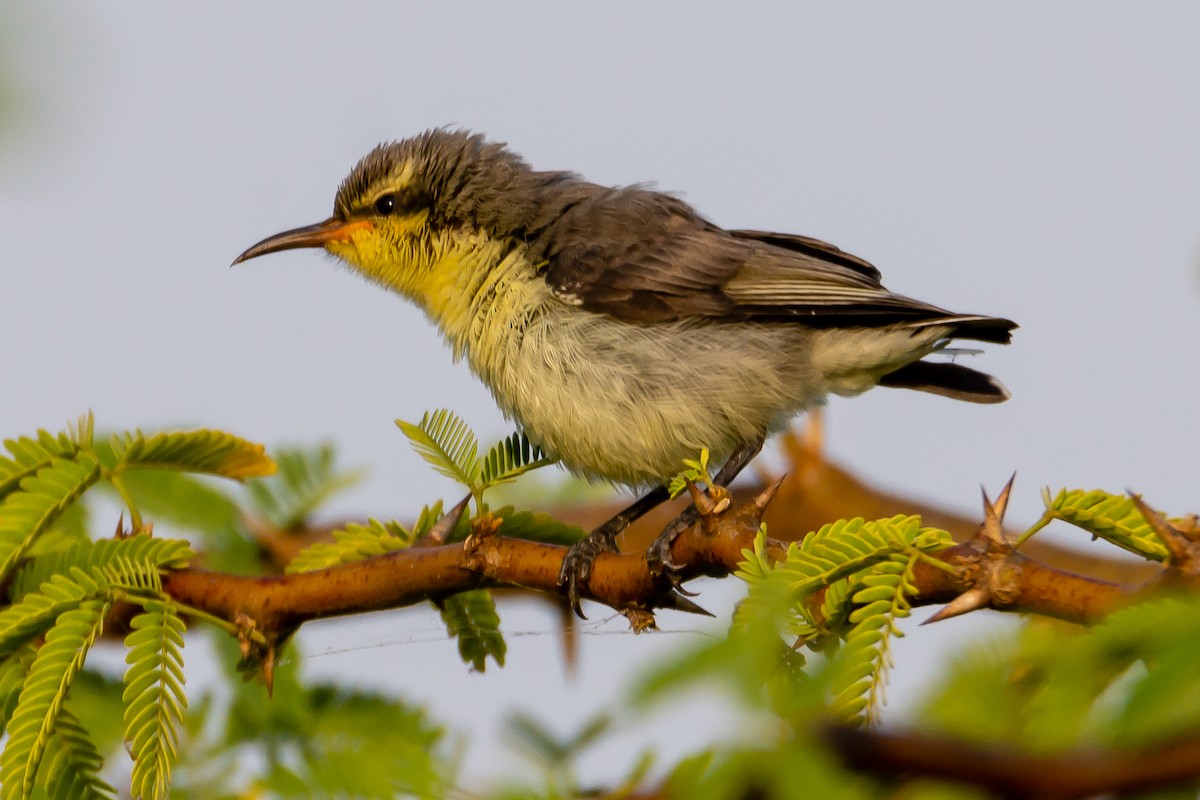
[1039, 161]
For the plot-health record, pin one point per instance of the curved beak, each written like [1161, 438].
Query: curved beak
[319, 235]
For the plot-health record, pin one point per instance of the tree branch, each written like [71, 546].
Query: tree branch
[1013, 773]
[999, 577]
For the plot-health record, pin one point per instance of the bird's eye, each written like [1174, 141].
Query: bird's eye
[386, 204]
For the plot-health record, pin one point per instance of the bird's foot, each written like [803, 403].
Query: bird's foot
[577, 564]
[658, 554]
[658, 558]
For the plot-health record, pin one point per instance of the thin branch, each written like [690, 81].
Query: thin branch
[1012, 773]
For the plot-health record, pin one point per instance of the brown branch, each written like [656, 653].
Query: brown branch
[274, 606]
[1013, 773]
[813, 491]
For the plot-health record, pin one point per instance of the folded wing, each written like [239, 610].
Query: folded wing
[646, 257]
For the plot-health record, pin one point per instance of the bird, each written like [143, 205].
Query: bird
[620, 329]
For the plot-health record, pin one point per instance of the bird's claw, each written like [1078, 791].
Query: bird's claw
[577, 566]
[661, 565]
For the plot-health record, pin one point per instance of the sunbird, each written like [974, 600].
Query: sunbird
[619, 328]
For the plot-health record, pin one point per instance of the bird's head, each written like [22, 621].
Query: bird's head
[409, 205]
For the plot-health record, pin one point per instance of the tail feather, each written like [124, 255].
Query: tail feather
[978, 328]
[948, 379]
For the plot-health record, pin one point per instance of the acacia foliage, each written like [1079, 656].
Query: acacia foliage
[811, 642]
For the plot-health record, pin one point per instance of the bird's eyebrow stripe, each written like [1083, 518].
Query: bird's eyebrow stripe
[398, 182]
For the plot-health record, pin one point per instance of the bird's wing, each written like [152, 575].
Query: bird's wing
[814, 248]
[642, 256]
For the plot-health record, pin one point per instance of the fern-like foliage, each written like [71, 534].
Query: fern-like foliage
[305, 480]
[1126, 683]
[37, 611]
[865, 657]
[154, 697]
[353, 543]
[1112, 517]
[844, 547]
[510, 458]
[536, 526]
[865, 568]
[204, 451]
[471, 618]
[450, 446]
[58, 589]
[694, 471]
[447, 444]
[31, 729]
[27, 455]
[26, 514]
[134, 553]
[73, 762]
[13, 671]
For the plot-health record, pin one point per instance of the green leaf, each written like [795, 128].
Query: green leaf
[447, 444]
[154, 697]
[1111, 517]
[205, 451]
[185, 502]
[694, 471]
[860, 668]
[306, 479]
[865, 569]
[352, 543]
[844, 547]
[536, 526]
[471, 618]
[54, 668]
[196, 506]
[983, 693]
[526, 732]
[73, 763]
[510, 458]
[38, 610]
[27, 513]
[96, 701]
[28, 455]
[132, 562]
[357, 744]
[13, 671]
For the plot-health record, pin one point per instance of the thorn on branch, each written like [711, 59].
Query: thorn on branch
[992, 528]
[441, 530]
[679, 602]
[268, 670]
[759, 503]
[972, 599]
[991, 575]
[1183, 545]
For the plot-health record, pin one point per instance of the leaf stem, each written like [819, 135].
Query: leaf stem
[1048, 516]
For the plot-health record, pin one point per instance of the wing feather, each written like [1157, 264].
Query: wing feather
[643, 256]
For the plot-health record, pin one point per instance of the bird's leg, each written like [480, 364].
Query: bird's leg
[577, 565]
[658, 554]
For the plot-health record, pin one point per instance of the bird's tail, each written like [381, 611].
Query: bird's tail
[948, 380]
[976, 328]
[954, 380]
